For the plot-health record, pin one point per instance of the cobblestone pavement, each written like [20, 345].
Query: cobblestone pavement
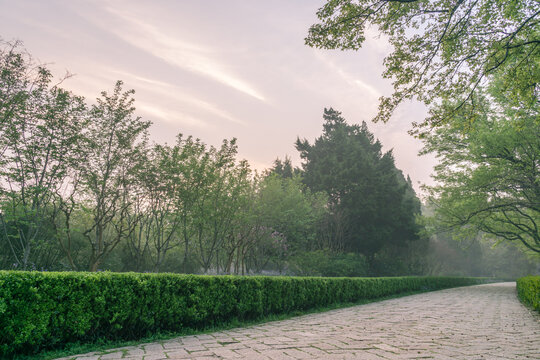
[476, 322]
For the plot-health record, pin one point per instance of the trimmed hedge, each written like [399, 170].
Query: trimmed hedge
[40, 310]
[528, 289]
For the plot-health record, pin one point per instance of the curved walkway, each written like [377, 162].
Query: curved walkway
[475, 322]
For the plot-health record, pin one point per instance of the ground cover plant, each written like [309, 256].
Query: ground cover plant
[40, 311]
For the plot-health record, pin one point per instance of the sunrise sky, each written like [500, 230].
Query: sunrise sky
[217, 69]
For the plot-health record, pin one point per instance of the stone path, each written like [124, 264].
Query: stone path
[476, 322]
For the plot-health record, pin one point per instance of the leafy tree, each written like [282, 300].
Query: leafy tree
[186, 164]
[291, 214]
[374, 203]
[245, 231]
[489, 175]
[443, 49]
[160, 219]
[446, 54]
[40, 143]
[116, 141]
[211, 189]
[292, 210]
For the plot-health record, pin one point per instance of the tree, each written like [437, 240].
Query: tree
[227, 183]
[443, 49]
[284, 168]
[188, 161]
[291, 209]
[489, 175]
[244, 233]
[116, 141]
[40, 143]
[159, 217]
[374, 204]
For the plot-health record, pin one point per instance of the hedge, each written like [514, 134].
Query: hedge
[528, 289]
[45, 310]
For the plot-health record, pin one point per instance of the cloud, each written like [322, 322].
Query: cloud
[185, 55]
[349, 79]
[170, 116]
[175, 93]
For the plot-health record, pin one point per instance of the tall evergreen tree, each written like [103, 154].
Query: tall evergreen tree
[373, 206]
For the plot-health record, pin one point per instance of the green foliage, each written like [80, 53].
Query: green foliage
[284, 168]
[476, 65]
[40, 143]
[84, 189]
[291, 209]
[528, 289]
[488, 178]
[371, 203]
[115, 144]
[41, 311]
[442, 49]
[326, 263]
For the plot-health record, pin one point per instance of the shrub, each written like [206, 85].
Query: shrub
[528, 289]
[47, 310]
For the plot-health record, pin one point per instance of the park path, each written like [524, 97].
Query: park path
[475, 322]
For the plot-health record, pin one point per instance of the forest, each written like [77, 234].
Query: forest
[82, 188]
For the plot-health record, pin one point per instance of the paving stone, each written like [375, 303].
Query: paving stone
[194, 348]
[297, 354]
[248, 353]
[177, 354]
[172, 345]
[190, 340]
[201, 354]
[314, 352]
[113, 355]
[135, 352]
[277, 355]
[481, 322]
[225, 353]
[155, 356]
[153, 347]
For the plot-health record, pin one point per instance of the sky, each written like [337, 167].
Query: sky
[218, 69]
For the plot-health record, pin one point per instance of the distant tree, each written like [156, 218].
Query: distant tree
[278, 218]
[284, 168]
[375, 205]
[442, 49]
[290, 209]
[245, 232]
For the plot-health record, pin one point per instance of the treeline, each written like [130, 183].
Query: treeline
[83, 188]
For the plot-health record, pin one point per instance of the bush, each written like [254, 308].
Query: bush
[47, 310]
[528, 289]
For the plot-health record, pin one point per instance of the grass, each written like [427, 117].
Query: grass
[103, 347]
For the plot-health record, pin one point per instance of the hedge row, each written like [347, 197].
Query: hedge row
[529, 291]
[46, 310]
